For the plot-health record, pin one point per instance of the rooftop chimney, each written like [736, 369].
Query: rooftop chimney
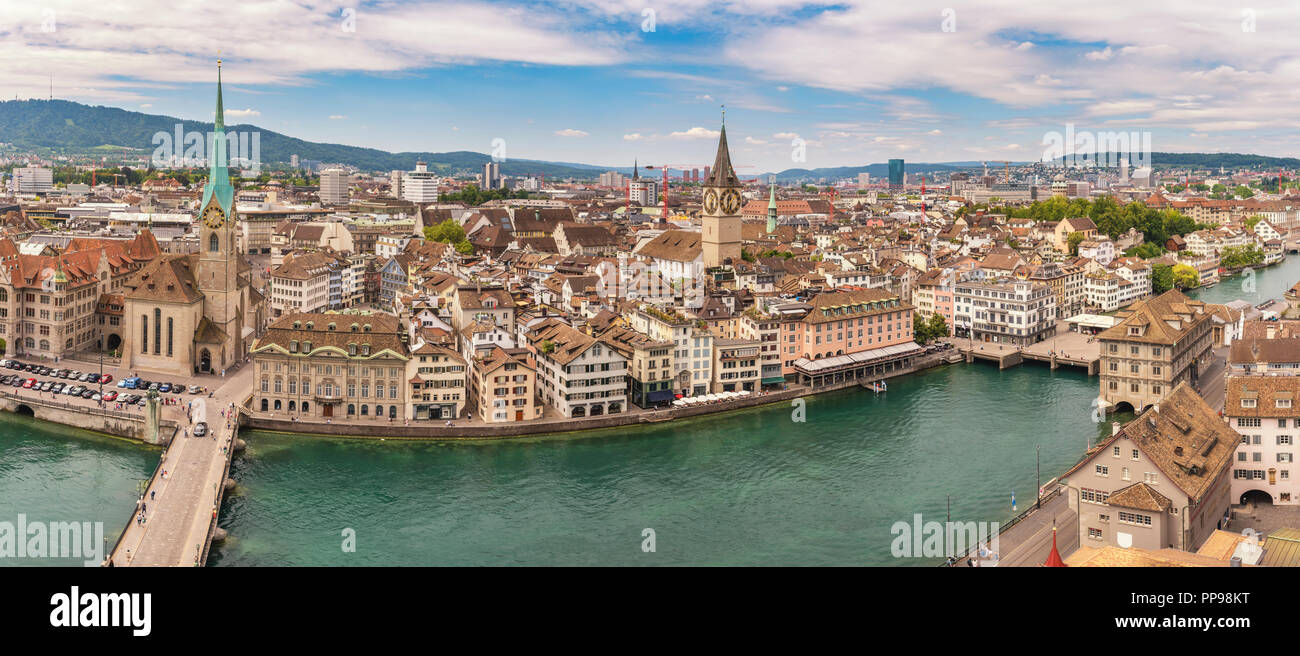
[1114, 428]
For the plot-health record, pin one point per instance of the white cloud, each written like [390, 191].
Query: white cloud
[241, 113]
[755, 142]
[337, 117]
[635, 136]
[146, 105]
[570, 132]
[786, 135]
[696, 133]
[935, 132]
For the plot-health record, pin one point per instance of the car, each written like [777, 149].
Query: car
[141, 403]
[73, 390]
[195, 389]
[122, 383]
[58, 387]
[45, 386]
[87, 393]
[85, 378]
[29, 383]
[43, 371]
[105, 379]
[131, 383]
[110, 396]
[5, 380]
[17, 381]
[153, 387]
[200, 429]
[96, 397]
[164, 388]
[178, 388]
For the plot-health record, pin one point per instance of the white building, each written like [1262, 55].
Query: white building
[1101, 250]
[33, 180]
[1015, 312]
[1263, 409]
[578, 375]
[333, 187]
[420, 185]
[643, 192]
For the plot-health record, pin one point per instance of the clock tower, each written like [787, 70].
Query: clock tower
[218, 262]
[721, 216]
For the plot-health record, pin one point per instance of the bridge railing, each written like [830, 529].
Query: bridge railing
[1056, 491]
[83, 409]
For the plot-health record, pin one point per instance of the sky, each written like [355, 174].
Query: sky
[804, 84]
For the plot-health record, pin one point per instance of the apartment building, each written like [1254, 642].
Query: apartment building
[1265, 411]
[650, 365]
[504, 386]
[1016, 312]
[1157, 344]
[578, 375]
[736, 365]
[1067, 284]
[692, 345]
[305, 283]
[437, 377]
[1162, 480]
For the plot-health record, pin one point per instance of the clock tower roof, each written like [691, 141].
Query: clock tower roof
[218, 186]
[722, 175]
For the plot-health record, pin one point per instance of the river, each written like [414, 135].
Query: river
[748, 488]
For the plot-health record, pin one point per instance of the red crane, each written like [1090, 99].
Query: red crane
[685, 169]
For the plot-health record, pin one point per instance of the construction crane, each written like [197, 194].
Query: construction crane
[1006, 167]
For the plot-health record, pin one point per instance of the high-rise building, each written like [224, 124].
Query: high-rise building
[864, 179]
[613, 179]
[492, 175]
[395, 183]
[420, 185]
[720, 219]
[293, 161]
[333, 187]
[33, 180]
[643, 191]
[896, 176]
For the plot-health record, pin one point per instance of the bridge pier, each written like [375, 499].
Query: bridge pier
[229, 484]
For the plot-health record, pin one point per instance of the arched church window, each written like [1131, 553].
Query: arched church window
[214, 243]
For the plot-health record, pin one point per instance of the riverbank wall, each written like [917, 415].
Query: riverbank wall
[430, 431]
[109, 422]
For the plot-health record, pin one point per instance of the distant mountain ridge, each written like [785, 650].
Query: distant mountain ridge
[72, 126]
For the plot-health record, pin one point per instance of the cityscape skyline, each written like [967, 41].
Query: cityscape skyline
[948, 84]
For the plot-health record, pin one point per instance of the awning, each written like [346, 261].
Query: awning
[773, 379]
[882, 354]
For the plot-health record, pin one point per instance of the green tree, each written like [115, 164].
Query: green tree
[1073, 240]
[1242, 191]
[1185, 277]
[1145, 251]
[1253, 221]
[1162, 278]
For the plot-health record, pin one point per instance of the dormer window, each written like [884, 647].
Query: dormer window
[311, 325]
[297, 325]
[293, 346]
[330, 327]
[1248, 403]
[306, 347]
[352, 349]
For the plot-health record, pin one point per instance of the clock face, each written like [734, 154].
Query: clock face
[730, 201]
[213, 217]
[710, 201]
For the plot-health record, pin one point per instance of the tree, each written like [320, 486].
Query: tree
[1073, 240]
[1162, 278]
[938, 326]
[1253, 221]
[925, 331]
[1185, 277]
[1145, 251]
[1242, 191]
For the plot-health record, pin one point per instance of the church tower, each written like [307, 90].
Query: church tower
[771, 207]
[218, 266]
[721, 215]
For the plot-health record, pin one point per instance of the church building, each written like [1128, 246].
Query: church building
[187, 313]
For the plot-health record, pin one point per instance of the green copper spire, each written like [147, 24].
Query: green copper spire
[218, 185]
[771, 207]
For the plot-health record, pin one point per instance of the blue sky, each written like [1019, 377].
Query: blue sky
[583, 81]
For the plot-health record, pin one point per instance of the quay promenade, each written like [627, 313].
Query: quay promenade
[1066, 348]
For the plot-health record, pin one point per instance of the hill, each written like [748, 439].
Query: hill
[73, 127]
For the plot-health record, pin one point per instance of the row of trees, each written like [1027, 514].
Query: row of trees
[925, 331]
[1239, 257]
[1111, 218]
[1165, 277]
[472, 195]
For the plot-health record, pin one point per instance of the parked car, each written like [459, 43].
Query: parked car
[164, 388]
[45, 386]
[200, 429]
[110, 396]
[17, 381]
[29, 383]
[178, 388]
[131, 383]
[195, 389]
[106, 379]
[58, 387]
[87, 393]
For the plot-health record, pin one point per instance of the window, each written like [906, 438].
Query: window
[1134, 518]
[1248, 403]
[1283, 403]
[1094, 534]
[1149, 478]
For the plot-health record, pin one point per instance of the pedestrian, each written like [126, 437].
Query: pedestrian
[152, 493]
